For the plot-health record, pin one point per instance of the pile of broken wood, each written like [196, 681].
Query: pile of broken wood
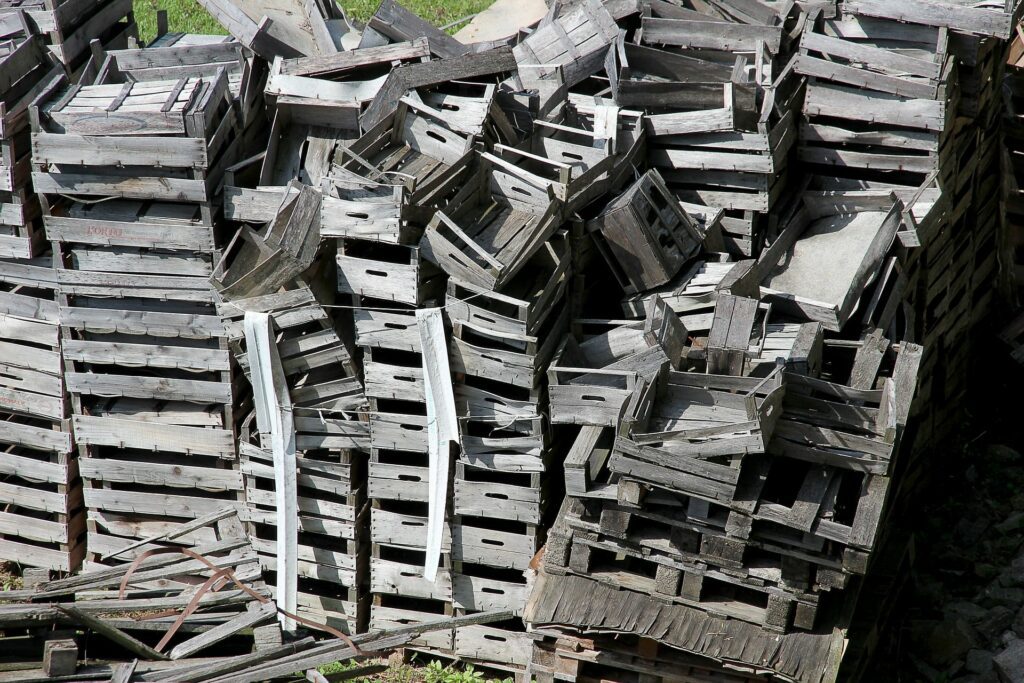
[598, 351]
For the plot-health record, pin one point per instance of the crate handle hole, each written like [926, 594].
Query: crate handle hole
[589, 397]
[377, 273]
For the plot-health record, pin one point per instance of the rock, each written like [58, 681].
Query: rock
[978, 661]
[1018, 623]
[1012, 523]
[998, 452]
[969, 530]
[995, 594]
[1014, 575]
[1009, 663]
[996, 620]
[945, 642]
[968, 611]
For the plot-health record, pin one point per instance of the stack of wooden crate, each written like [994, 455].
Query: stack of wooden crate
[722, 107]
[411, 154]
[1012, 166]
[128, 175]
[749, 486]
[929, 81]
[330, 446]
[42, 522]
[70, 27]
[25, 68]
[507, 304]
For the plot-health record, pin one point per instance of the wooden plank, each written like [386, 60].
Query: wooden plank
[115, 634]
[262, 613]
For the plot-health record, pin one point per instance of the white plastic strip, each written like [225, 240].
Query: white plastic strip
[442, 428]
[274, 419]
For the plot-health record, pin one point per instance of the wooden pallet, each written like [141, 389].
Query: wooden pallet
[566, 656]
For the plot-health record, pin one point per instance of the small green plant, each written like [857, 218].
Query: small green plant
[337, 667]
[439, 673]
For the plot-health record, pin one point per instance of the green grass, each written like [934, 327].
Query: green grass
[188, 16]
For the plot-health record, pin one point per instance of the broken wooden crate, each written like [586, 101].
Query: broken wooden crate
[414, 147]
[573, 164]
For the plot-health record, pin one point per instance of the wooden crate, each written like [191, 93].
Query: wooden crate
[394, 273]
[576, 165]
[69, 27]
[645, 235]
[523, 304]
[849, 71]
[597, 368]
[512, 443]
[669, 441]
[689, 94]
[176, 149]
[414, 147]
[491, 228]
[188, 55]
[867, 235]
[43, 520]
[332, 547]
[318, 365]
[568, 47]
[25, 68]
[504, 360]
